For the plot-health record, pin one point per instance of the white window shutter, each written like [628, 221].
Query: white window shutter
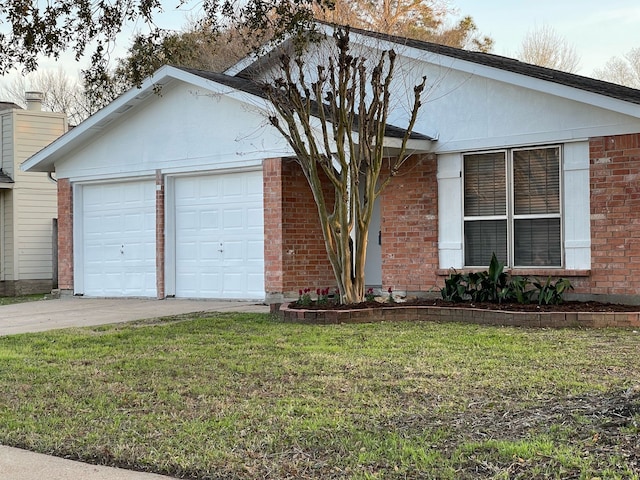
[577, 214]
[450, 210]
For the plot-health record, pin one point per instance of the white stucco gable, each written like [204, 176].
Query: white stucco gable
[478, 101]
[175, 121]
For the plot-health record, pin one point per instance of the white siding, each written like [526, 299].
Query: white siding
[6, 204]
[34, 196]
[7, 142]
[6, 223]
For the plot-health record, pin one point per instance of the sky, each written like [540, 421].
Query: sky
[598, 30]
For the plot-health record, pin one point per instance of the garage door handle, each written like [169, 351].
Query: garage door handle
[122, 250]
[220, 249]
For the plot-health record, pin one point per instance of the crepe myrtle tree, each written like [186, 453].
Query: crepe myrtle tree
[335, 123]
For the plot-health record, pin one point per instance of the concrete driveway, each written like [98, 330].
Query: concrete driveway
[17, 464]
[66, 312]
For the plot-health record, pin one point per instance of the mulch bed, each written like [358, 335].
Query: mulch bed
[510, 307]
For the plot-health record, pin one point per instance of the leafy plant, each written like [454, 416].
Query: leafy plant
[391, 299]
[495, 280]
[550, 293]
[454, 289]
[495, 285]
[518, 290]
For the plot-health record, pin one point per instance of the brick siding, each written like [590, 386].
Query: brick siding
[295, 254]
[160, 242]
[409, 211]
[65, 234]
[615, 215]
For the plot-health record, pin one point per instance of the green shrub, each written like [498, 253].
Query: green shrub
[496, 286]
[550, 293]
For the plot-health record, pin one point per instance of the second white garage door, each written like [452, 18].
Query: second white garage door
[219, 236]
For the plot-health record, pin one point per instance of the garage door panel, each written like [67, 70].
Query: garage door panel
[255, 251]
[207, 251]
[254, 219]
[226, 241]
[255, 282]
[233, 218]
[234, 251]
[209, 220]
[118, 239]
[233, 283]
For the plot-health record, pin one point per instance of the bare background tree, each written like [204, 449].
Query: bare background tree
[545, 47]
[336, 126]
[420, 19]
[62, 93]
[625, 70]
[199, 45]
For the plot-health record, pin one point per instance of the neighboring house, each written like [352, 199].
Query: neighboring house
[27, 200]
[191, 193]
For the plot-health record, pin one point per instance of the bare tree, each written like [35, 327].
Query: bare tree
[336, 126]
[62, 93]
[547, 48]
[625, 71]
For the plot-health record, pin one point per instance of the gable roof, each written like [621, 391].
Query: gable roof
[588, 84]
[248, 67]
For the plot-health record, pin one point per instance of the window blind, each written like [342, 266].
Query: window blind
[485, 184]
[536, 181]
[537, 242]
[482, 238]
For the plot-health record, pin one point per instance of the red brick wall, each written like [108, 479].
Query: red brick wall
[615, 215]
[295, 255]
[272, 186]
[409, 212]
[65, 234]
[160, 244]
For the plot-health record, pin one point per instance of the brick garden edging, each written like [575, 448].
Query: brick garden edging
[464, 315]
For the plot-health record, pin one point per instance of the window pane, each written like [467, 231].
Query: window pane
[482, 238]
[536, 179]
[537, 243]
[484, 184]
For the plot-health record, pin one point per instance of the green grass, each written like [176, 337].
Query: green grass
[24, 298]
[244, 396]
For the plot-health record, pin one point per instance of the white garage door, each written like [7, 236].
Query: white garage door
[118, 240]
[219, 236]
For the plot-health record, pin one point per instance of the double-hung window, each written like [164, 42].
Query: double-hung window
[512, 207]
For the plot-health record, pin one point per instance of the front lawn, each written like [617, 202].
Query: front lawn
[233, 396]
